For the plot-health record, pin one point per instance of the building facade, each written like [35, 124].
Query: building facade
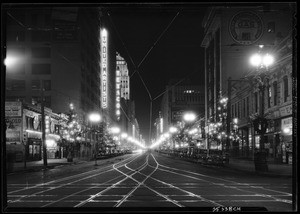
[232, 35]
[278, 108]
[59, 49]
[178, 99]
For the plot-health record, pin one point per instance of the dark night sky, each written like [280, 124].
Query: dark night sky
[177, 54]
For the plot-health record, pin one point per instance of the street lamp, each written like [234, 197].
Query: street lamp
[95, 118]
[261, 62]
[189, 117]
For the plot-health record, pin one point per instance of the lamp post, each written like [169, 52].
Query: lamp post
[173, 130]
[261, 62]
[95, 118]
[189, 117]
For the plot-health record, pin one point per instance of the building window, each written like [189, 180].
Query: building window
[247, 106]
[244, 107]
[269, 96]
[15, 98]
[285, 88]
[16, 85]
[47, 85]
[236, 110]
[41, 52]
[47, 101]
[41, 69]
[35, 84]
[29, 122]
[35, 100]
[275, 93]
[256, 101]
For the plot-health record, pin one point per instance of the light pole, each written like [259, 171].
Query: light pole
[189, 117]
[95, 118]
[261, 62]
[173, 130]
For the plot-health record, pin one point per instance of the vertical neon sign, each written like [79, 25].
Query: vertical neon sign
[104, 68]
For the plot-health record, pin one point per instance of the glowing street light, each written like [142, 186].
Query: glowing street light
[95, 118]
[189, 117]
[115, 130]
[124, 135]
[173, 129]
[261, 62]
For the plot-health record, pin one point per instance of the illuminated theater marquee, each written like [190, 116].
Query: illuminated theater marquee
[104, 68]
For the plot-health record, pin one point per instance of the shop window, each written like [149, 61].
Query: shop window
[29, 122]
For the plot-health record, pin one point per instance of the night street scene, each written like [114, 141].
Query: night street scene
[152, 107]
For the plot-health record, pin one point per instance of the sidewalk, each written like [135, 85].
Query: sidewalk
[39, 165]
[242, 165]
[285, 170]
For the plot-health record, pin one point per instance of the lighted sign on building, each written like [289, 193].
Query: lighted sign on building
[104, 68]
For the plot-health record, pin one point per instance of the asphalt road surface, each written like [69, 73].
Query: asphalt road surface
[147, 180]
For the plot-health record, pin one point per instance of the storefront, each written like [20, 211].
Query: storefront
[286, 140]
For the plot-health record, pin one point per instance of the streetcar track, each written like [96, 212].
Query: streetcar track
[118, 167]
[62, 185]
[224, 185]
[142, 183]
[67, 178]
[105, 190]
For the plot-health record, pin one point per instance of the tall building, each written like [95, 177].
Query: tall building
[179, 98]
[122, 83]
[61, 50]
[59, 47]
[124, 78]
[54, 48]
